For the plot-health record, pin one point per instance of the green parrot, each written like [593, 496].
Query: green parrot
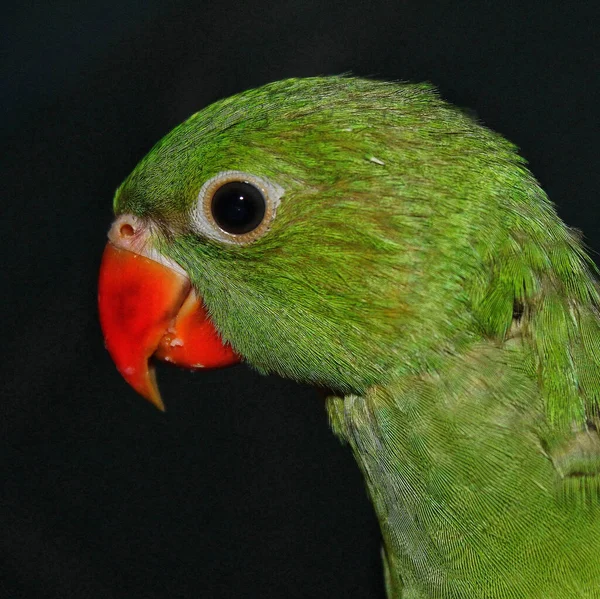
[371, 239]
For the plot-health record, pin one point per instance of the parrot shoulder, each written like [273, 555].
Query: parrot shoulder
[462, 468]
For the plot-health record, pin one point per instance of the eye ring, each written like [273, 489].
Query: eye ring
[235, 207]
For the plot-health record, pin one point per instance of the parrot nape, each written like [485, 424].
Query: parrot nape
[371, 239]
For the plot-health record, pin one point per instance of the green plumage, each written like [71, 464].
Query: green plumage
[416, 269]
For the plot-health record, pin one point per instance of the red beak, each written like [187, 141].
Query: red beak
[149, 309]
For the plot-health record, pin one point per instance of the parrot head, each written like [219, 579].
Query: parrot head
[330, 230]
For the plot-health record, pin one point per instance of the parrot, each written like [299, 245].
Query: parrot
[373, 240]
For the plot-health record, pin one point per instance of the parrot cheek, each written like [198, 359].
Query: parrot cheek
[146, 309]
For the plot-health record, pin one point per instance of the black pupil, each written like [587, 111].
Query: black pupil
[238, 207]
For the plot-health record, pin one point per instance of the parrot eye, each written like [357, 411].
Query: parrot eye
[235, 207]
[238, 207]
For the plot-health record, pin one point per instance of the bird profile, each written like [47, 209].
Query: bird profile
[371, 239]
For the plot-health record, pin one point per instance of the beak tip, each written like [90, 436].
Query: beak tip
[160, 406]
[143, 381]
[150, 389]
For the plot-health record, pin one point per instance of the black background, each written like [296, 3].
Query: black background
[239, 490]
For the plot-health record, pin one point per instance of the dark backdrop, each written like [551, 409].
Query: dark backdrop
[239, 490]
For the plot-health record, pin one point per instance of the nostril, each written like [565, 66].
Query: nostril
[126, 230]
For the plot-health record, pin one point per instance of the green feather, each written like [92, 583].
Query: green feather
[416, 269]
